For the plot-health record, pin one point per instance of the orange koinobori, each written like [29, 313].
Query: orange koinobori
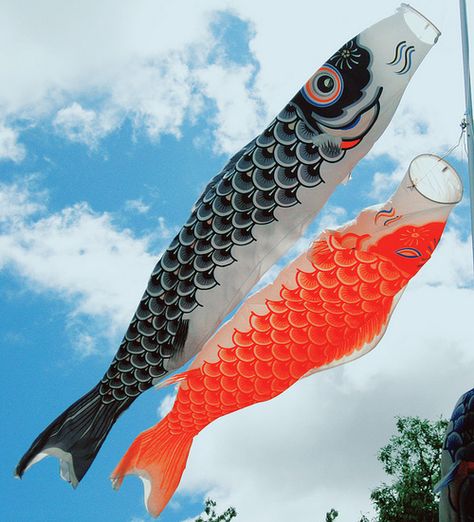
[247, 217]
[328, 307]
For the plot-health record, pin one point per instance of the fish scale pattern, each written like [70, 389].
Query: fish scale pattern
[263, 177]
[459, 441]
[325, 315]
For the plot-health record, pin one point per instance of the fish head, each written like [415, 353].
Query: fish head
[409, 247]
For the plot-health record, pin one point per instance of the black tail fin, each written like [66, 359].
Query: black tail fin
[75, 436]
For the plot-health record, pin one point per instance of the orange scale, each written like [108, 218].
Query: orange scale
[279, 386]
[296, 306]
[353, 321]
[227, 398]
[183, 396]
[311, 298]
[306, 280]
[181, 409]
[298, 369]
[241, 338]
[244, 399]
[227, 355]
[263, 353]
[317, 308]
[347, 276]
[345, 258]
[280, 337]
[244, 385]
[349, 294]
[279, 322]
[297, 320]
[229, 383]
[318, 320]
[187, 424]
[327, 279]
[246, 369]
[195, 383]
[299, 352]
[263, 369]
[352, 308]
[337, 321]
[277, 307]
[263, 387]
[211, 369]
[317, 336]
[316, 355]
[364, 257]
[289, 295]
[299, 335]
[197, 410]
[389, 271]
[245, 354]
[329, 295]
[323, 260]
[229, 369]
[333, 308]
[260, 323]
[367, 273]
[280, 352]
[260, 338]
[389, 288]
[335, 336]
[196, 397]
[281, 370]
[370, 306]
[331, 353]
[368, 292]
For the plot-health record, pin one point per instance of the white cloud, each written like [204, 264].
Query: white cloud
[84, 126]
[10, 149]
[79, 255]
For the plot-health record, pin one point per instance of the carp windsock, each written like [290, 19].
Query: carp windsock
[457, 464]
[328, 307]
[246, 218]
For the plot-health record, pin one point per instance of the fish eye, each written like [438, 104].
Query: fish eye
[325, 87]
[325, 83]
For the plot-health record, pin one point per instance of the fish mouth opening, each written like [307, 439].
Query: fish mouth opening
[419, 25]
[435, 179]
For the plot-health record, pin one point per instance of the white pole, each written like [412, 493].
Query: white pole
[469, 121]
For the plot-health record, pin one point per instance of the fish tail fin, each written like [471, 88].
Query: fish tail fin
[74, 437]
[448, 478]
[158, 457]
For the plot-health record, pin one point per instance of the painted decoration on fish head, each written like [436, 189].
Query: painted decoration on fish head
[328, 307]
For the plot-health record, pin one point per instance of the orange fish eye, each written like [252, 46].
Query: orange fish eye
[325, 87]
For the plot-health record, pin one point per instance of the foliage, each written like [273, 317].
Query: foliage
[211, 515]
[412, 458]
[331, 515]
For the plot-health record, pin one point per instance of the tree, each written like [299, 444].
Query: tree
[412, 458]
[331, 515]
[211, 515]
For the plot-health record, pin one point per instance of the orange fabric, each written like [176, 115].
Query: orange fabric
[325, 315]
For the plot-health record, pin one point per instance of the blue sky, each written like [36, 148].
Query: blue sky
[96, 174]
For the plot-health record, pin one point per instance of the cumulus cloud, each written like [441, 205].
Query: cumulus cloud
[10, 148]
[84, 126]
[80, 255]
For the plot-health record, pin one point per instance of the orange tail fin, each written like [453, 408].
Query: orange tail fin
[159, 458]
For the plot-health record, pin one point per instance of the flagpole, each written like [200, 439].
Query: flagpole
[468, 115]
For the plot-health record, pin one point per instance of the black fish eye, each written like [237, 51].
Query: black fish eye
[325, 84]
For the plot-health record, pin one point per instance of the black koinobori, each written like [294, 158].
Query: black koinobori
[247, 217]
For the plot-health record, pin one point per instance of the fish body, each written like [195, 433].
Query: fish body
[246, 218]
[330, 306]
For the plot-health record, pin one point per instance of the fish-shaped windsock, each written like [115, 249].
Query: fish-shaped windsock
[246, 218]
[328, 307]
[457, 464]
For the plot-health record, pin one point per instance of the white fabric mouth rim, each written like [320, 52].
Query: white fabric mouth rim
[428, 33]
